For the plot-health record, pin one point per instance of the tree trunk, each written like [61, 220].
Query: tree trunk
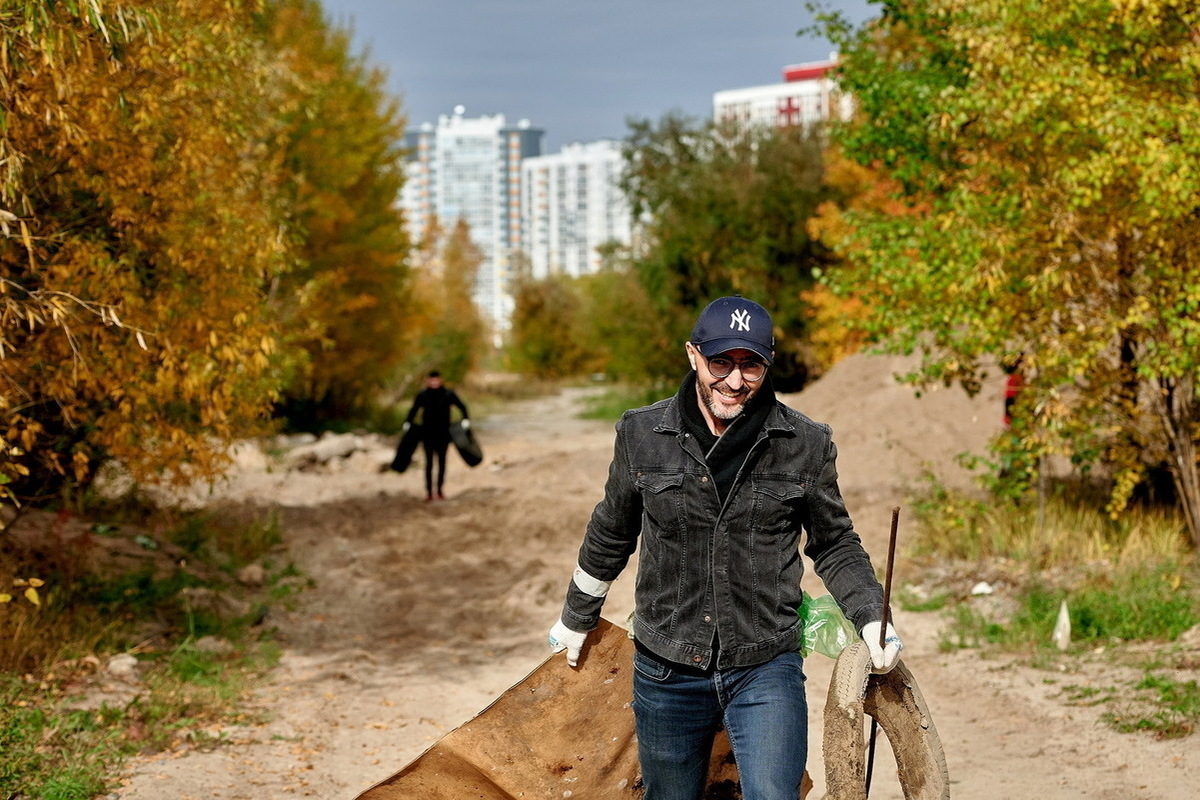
[1179, 412]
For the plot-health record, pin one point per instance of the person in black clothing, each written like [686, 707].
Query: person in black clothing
[434, 403]
[718, 488]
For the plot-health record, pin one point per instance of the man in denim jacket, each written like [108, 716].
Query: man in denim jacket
[716, 484]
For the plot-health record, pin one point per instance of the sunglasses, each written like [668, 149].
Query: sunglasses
[722, 367]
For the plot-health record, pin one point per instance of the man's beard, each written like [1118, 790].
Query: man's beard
[720, 410]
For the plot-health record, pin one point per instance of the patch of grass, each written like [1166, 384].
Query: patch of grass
[1089, 695]
[138, 593]
[51, 751]
[32, 636]
[236, 540]
[89, 609]
[1131, 605]
[1131, 579]
[48, 755]
[77, 783]
[285, 584]
[910, 600]
[1138, 606]
[1168, 708]
[188, 664]
[192, 534]
[611, 404]
[969, 628]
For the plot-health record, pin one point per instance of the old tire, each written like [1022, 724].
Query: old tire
[895, 701]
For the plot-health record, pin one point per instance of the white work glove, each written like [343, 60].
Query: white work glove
[466, 424]
[882, 658]
[563, 638]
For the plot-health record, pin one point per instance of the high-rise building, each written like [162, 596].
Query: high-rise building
[807, 95]
[571, 204]
[470, 169]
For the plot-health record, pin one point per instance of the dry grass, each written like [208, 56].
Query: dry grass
[1067, 528]
[118, 587]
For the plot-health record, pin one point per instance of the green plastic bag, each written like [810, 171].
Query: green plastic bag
[824, 628]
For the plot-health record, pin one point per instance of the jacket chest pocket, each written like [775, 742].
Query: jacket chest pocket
[777, 501]
[662, 498]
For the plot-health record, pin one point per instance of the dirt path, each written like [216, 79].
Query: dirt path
[423, 613]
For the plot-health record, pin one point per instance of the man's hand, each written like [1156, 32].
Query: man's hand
[882, 658]
[563, 638]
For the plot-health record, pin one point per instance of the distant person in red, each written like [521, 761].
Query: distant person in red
[1012, 387]
[434, 403]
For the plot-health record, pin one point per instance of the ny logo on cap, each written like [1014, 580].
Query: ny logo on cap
[740, 319]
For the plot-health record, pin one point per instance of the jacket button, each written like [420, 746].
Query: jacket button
[704, 479]
[697, 659]
[707, 618]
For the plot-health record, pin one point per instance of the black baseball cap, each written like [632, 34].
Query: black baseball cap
[729, 323]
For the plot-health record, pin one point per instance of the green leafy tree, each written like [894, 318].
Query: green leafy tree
[342, 159]
[725, 212]
[140, 221]
[1046, 158]
[624, 327]
[602, 322]
[450, 333]
[546, 340]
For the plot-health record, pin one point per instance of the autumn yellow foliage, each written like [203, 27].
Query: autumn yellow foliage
[1041, 160]
[341, 138]
[158, 199]
[130, 317]
[450, 334]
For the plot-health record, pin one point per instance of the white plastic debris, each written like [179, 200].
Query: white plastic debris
[1062, 628]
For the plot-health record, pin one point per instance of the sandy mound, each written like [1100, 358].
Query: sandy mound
[889, 436]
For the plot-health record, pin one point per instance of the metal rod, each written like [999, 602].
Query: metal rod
[887, 601]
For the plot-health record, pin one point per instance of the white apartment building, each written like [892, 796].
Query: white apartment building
[470, 169]
[570, 205]
[808, 95]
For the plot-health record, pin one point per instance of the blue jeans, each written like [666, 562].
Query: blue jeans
[762, 708]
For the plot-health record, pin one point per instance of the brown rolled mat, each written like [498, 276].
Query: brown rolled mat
[561, 732]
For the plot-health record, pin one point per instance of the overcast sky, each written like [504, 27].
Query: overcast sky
[576, 68]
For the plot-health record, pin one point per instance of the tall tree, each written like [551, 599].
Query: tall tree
[141, 222]
[623, 325]
[546, 339]
[341, 154]
[452, 335]
[725, 213]
[603, 322]
[1047, 157]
